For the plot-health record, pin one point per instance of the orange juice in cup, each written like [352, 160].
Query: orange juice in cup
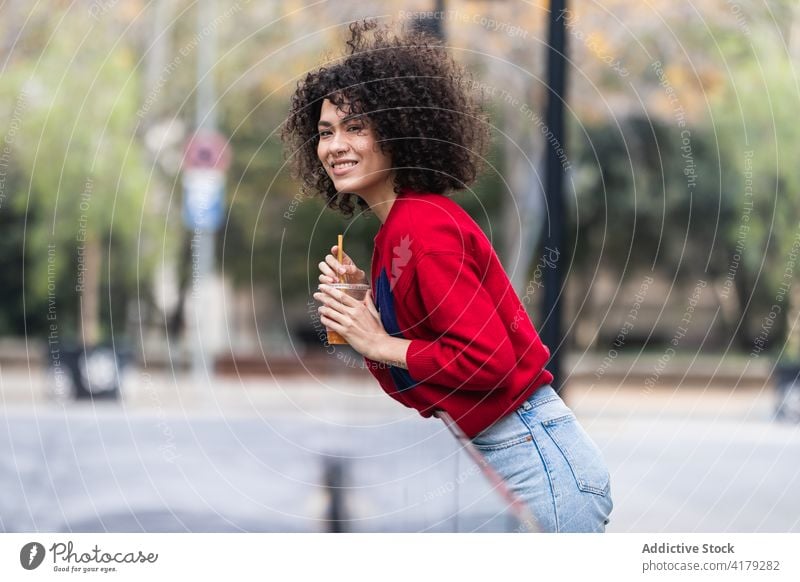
[357, 291]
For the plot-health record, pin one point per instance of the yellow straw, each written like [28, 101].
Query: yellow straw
[340, 244]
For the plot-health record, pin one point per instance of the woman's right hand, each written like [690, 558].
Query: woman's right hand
[332, 271]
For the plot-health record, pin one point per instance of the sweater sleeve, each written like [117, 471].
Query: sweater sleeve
[466, 344]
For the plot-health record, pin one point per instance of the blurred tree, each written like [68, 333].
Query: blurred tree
[653, 78]
[756, 123]
[92, 242]
[633, 209]
[16, 317]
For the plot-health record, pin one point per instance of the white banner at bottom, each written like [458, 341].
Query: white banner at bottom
[406, 557]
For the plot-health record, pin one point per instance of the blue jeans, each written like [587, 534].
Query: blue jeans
[551, 464]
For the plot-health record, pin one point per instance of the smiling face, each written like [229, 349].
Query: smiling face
[351, 155]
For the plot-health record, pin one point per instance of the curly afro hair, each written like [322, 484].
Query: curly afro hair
[419, 102]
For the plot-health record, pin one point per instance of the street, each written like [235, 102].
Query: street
[255, 454]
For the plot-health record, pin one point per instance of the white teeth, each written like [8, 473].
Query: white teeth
[344, 164]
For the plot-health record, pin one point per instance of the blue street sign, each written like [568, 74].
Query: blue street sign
[203, 194]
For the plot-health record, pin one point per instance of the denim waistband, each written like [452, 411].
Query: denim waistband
[541, 395]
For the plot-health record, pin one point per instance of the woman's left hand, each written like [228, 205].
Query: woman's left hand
[356, 321]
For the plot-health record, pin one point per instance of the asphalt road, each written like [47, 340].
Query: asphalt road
[252, 456]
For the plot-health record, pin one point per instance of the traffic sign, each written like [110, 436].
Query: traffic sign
[203, 194]
[207, 149]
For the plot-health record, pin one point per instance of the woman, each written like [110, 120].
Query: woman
[393, 128]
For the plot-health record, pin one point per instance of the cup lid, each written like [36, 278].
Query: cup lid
[352, 286]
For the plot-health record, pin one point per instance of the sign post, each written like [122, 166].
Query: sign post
[205, 161]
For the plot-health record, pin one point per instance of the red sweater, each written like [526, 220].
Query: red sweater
[438, 282]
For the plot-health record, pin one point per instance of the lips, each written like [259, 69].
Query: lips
[341, 167]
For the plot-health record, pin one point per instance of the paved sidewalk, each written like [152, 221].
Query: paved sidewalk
[683, 459]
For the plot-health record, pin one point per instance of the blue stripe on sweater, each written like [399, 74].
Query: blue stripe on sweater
[385, 304]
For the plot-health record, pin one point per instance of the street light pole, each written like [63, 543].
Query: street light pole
[551, 330]
[433, 25]
[206, 114]
[554, 190]
[203, 238]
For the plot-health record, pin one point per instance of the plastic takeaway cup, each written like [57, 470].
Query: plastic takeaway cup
[357, 291]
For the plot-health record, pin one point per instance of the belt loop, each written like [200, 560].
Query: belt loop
[526, 406]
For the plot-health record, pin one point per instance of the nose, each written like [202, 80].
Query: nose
[338, 144]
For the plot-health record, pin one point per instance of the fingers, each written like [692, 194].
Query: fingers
[346, 260]
[329, 314]
[335, 299]
[332, 270]
[327, 275]
[370, 302]
[330, 323]
[335, 265]
[356, 320]
[333, 314]
[332, 310]
[345, 257]
[328, 308]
